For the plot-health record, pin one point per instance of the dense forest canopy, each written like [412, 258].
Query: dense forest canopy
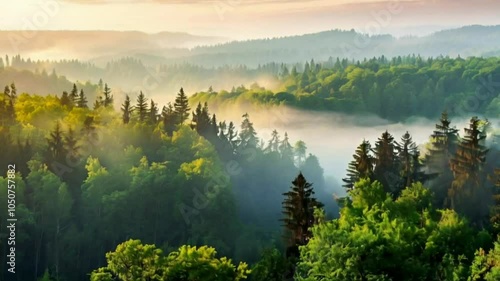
[393, 89]
[123, 175]
[101, 191]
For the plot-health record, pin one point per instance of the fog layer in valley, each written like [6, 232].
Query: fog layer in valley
[332, 137]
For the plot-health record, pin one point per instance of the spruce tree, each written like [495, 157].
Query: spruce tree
[274, 142]
[168, 119]
[65, 99]
[444, 142]
[127, 110]
[386, 165]
[153, 113]
[141, 107]
[248, 135]
[298, 211]
[406, 150]
[82, 100]
[468, 187]
[108, 97]
[181, 106]
[361, 167]
[56, 152]
[74, 95]
[286, 149]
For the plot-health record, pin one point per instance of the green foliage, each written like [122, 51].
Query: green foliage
[377, 238]
[272, 266]
[133, 261]
[393, 89]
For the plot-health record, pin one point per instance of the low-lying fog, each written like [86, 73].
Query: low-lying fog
[332, 137]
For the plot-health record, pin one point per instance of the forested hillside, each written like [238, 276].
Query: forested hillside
[88, 177]
[394, 89]
[167, 194]
[178, 48]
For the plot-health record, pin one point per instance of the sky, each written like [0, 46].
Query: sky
[246, 19]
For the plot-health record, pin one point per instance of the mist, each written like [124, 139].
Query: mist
[332, 137]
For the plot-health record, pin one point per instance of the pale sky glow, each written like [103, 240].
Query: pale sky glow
[240, 19]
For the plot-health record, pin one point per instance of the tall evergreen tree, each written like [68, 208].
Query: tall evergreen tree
[274, 142]
[298, 211]
[74, 94]
[406, 151]
[181, 106]
[108, 97]
[56, 152]
[141, 107]
[285, 148]
[444, 142]
[153, 113]
[65, 99]
[386, 165]
[82, 100]
[361, 167]
[127, 110]
[468, 187]
[168, 119]
[248, 135]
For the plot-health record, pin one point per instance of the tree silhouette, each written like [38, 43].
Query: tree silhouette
[468, 187]
[361, 167]
[444, 142]
[298, 211]
[181, 106]
[82, 100]
[108, 97]
[142, 107]
[127, 110]
[386, 164]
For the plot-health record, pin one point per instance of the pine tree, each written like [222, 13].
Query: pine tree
[361, 167]
[82, 100]
[181, 106]
[437, 161]
[65, 99]
[201, 120]
[168, 119]
[127, 110]
[232, 136]
[248, 135]
[74, 94]
[141, 107]
[467, 166]
[286, 149]
[298, 211]
[406, 150]
[153, 113]
[56, 152]
[386, 164]
[108, 97]
[274, 142]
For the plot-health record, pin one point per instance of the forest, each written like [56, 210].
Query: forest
[143, 191]
[394, 89]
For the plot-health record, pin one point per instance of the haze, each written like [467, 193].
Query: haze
[238, 19]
